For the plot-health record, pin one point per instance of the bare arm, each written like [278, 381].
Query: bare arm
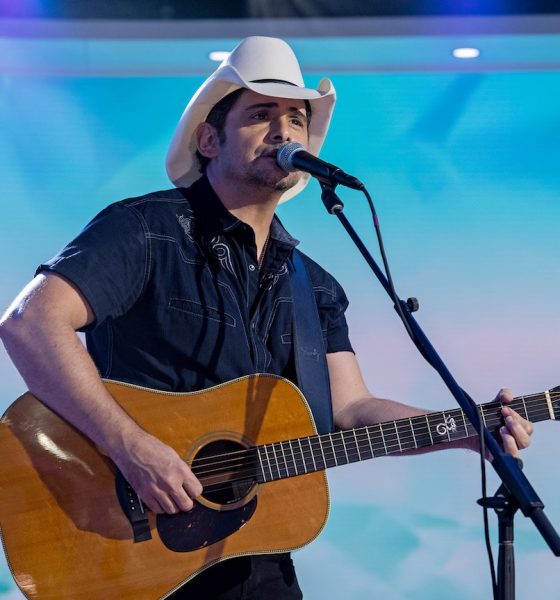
[39, 332]
[354, 406]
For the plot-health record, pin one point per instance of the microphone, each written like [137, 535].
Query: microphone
[294, 157]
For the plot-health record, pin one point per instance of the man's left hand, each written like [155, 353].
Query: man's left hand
[516, 431]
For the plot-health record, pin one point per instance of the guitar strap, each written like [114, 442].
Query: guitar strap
[309, 347]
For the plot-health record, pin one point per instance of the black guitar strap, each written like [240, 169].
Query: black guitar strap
[309, 347]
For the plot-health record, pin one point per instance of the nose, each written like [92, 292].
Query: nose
[279, 131]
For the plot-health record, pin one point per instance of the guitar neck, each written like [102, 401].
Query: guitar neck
[305, 455]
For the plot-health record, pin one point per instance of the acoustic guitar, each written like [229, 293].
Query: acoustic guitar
[73, 528]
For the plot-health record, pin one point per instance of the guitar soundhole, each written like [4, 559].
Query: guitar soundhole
[227, 471]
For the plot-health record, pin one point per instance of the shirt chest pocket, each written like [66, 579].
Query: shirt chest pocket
[206, 324]
[204, 311]
[203, 300]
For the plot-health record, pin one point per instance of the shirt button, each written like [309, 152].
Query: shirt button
[251, 267]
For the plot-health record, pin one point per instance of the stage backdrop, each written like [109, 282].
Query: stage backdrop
[463, 165]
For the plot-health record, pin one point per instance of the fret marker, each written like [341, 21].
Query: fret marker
[448, 425]
[549, 404]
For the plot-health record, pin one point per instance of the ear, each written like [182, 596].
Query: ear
[207, 141]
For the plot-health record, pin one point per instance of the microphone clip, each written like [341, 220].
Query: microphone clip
[332, 202]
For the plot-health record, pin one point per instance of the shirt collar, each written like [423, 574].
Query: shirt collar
[279, 234]
[216, 218]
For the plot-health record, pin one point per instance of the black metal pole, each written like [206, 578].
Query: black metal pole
[505, 506]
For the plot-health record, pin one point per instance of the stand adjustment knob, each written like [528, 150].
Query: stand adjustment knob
[413, 304]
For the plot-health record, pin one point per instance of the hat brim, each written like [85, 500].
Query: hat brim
[182, 164]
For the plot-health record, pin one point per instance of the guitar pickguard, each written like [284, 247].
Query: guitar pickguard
[202, 526]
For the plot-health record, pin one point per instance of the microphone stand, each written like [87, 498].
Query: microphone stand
[505, 506]
[516, 491]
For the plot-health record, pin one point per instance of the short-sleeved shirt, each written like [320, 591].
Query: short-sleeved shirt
[179, 300]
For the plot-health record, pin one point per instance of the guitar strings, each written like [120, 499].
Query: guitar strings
[343, 451]
[246, 458]
[247, 472]
[250, 473]
[404, 424]
[391, 441]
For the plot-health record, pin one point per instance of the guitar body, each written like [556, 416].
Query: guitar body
[63, 528]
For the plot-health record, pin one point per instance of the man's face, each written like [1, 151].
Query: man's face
[255, 128]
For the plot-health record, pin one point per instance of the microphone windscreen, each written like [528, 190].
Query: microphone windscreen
[285, 153]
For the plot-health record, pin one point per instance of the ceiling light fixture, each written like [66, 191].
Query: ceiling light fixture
[218, 56]
[466, 53]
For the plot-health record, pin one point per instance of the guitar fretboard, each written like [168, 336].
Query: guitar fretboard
[305, 455]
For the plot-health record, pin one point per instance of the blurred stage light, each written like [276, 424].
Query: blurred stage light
[466, 53]
[218, 56]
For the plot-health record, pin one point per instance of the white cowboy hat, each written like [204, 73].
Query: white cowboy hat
[262, 64]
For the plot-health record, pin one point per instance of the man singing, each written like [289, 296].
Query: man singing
[184, 289]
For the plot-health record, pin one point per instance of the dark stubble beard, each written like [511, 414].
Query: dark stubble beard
[267, 178]
[262, 176]
[277, 185]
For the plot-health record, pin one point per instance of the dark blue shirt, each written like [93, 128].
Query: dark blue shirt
[179, 301]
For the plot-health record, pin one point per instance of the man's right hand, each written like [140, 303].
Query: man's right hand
[157, 474]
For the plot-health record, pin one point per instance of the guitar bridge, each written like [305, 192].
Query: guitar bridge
[133, 509]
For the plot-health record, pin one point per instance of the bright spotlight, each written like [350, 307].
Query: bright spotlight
[466, 53]
[218, 56]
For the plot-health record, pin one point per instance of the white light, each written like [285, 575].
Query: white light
[466, 53]
[218, 56]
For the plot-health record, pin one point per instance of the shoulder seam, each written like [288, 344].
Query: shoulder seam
[147, 238]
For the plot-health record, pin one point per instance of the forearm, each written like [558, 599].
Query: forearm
[371, 411]
[355, 406]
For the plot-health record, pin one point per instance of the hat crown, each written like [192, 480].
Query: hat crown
[264, 58]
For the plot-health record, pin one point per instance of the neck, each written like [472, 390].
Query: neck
[251, 204]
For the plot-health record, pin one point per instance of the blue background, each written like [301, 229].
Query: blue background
[463, 163]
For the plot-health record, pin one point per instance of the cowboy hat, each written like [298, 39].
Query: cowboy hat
[264, 65]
